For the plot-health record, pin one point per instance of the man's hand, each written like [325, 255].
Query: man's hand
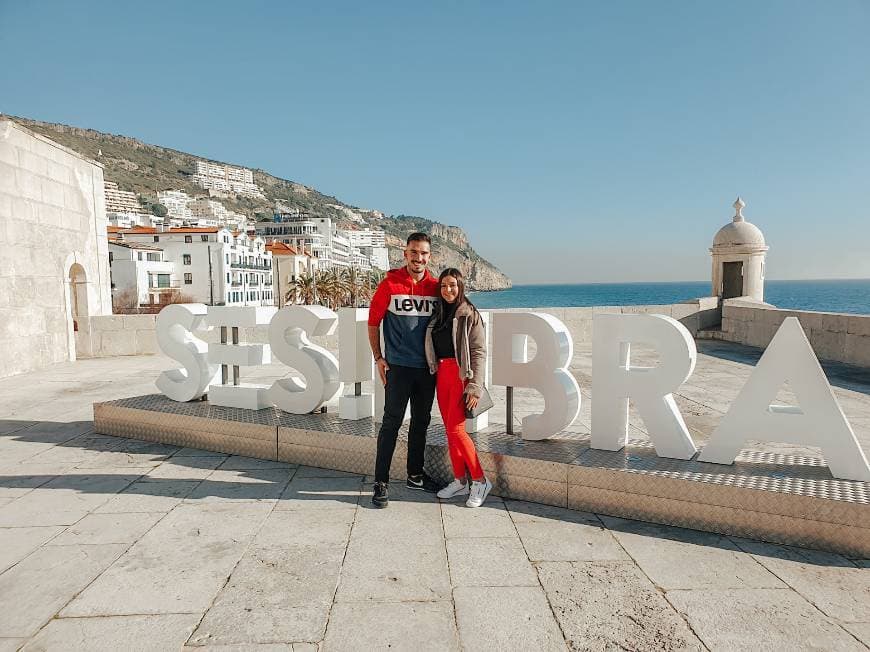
[383, 368]
[471, 401]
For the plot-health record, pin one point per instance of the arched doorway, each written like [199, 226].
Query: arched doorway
[77, 303]
[78, 282]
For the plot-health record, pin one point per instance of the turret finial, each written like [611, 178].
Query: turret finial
[739, 205]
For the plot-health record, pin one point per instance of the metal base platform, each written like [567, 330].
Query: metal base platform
[776, 498]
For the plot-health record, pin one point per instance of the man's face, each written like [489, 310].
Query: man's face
[417, 256]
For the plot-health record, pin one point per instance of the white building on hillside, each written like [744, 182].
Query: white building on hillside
[139, 266]
[177, 204]
[225, 178]
[208, 212]
[120, 201]
[302, 232]
[214, 265]
[372, 244]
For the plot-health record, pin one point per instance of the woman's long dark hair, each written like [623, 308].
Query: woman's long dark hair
[442, 308]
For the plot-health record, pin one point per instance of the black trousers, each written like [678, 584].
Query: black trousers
[405, 384]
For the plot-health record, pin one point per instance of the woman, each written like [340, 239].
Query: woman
[456, 350]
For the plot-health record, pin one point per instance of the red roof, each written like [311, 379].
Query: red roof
[281, 249]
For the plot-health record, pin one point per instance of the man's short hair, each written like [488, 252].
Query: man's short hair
[418, 237]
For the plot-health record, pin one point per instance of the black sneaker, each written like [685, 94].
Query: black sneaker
[422, 482]
[380, 495]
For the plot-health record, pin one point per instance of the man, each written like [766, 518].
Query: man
[404, 302]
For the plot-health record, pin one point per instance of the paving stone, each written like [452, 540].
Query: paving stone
[274, 594]
[237, 463]
[289, 528]
[861, 631]
[149, 495]
[33, 591]
[611, 605]
[7, 427]
[557, 534]
[64, 500]
[418, 626]
[403, 521]
[674, 558]
[22, 483]
[187, 468]
[489, 562]
[241, 485]
[489, 520]
[198, 452]
[11, 644]
[407, 571]
[107, 528]
[759, 619]
[265, 647]
[178, 566]
[121, 459]
[830, 582]
[113, 633]
[17, 543]
[321, 493]
[314, 472]
[506, 618]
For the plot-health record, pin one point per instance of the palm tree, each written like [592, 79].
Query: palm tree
[356, 283]
[302, 290]
[333, 288]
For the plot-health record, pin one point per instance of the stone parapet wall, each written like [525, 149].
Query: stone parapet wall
[113, 335]
[834, 336]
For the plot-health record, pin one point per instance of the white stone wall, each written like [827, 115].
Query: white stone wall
[833, 336]
[52, 215]
[134, 334]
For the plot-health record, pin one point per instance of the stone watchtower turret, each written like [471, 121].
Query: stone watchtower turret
[738, 258]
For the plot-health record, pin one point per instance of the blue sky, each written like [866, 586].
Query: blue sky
[575, 142]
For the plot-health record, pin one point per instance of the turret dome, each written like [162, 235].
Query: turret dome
[739, 232]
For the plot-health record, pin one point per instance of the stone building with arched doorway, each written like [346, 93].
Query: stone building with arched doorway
[54, 272]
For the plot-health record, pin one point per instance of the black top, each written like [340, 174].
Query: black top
[442, 334]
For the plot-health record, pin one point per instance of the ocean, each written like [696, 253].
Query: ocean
[852, 296]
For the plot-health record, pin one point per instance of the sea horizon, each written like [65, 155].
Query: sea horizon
[850, 296]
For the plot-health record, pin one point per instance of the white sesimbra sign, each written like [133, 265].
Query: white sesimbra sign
[818, 420]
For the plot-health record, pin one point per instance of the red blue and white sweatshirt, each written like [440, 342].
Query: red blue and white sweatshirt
[404, 306]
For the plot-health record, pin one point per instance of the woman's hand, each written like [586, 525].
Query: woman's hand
[471, 401]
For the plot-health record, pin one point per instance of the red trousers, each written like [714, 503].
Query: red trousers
[451, 402]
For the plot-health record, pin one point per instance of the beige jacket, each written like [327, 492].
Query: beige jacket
[469, 340]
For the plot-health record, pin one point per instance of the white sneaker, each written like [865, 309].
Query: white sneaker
[455, 488]
[479, 492]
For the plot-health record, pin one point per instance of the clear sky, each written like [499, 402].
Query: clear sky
[575, 141]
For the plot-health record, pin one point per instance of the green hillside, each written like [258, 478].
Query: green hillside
[146, 169]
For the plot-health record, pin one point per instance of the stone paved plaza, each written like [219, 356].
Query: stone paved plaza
[115, 544]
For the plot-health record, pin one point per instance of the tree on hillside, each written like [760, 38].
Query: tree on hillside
[159, 210]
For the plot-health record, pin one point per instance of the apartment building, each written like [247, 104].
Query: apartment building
[288, 264]
[177, 204]
[207, 212]
[120, 201]
[214, 265]
[372, 244]
[225, 178]
[140, 267]
[302, 232]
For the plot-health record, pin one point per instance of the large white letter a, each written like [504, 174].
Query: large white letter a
[818, 421]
